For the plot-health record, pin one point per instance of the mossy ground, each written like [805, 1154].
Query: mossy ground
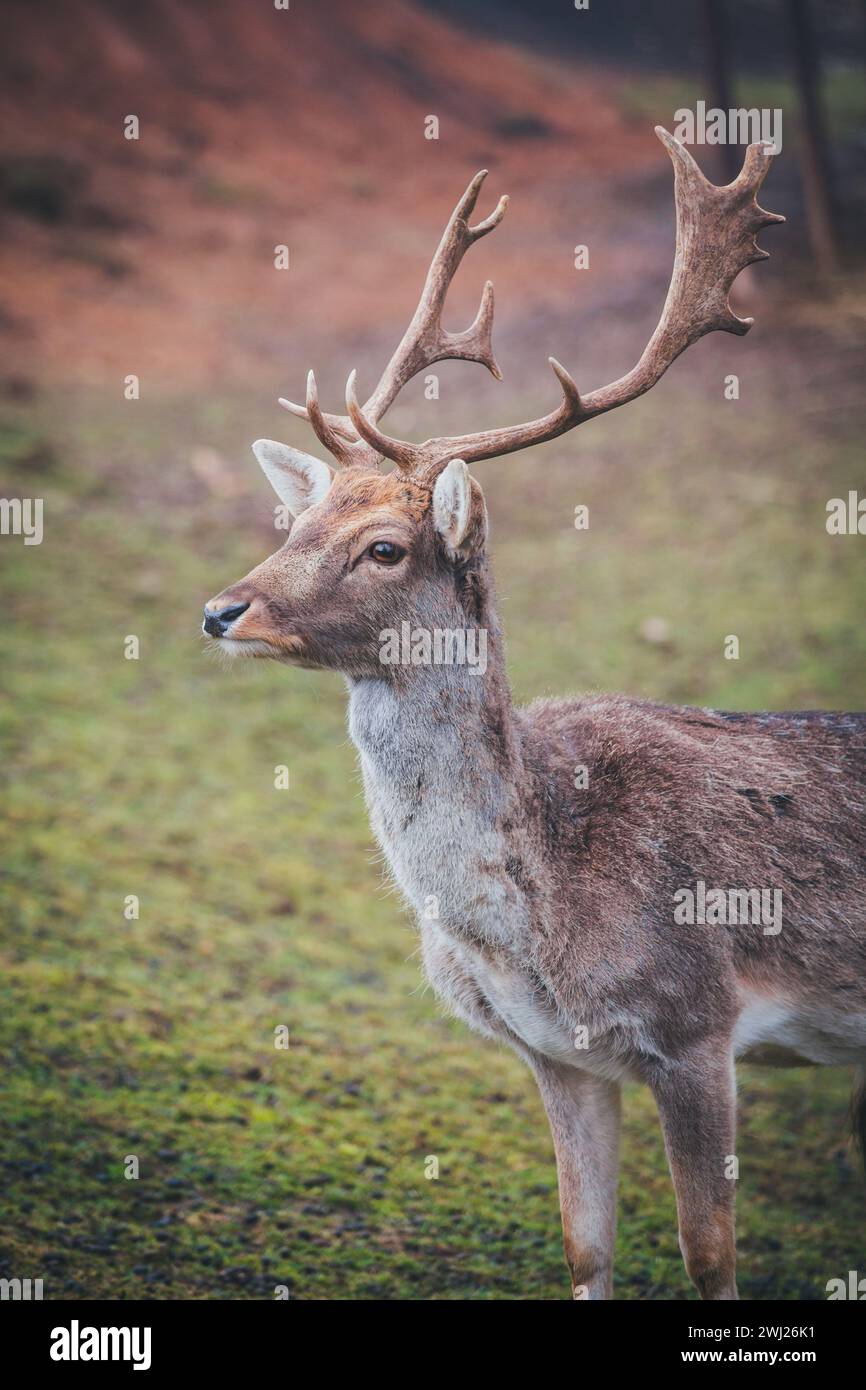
[261, 908]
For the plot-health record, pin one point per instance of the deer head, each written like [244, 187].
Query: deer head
[367, 549]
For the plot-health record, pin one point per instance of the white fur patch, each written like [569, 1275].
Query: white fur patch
[813, 1032]
[452, 497]
[235, 647]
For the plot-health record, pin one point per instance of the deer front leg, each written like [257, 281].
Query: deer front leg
[584, 1114]
[697, 1104]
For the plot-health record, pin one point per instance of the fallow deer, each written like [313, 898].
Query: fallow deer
[546, 902]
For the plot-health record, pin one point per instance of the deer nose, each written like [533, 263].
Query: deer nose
[217, 622]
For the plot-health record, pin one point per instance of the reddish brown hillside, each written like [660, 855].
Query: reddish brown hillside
[260, 127]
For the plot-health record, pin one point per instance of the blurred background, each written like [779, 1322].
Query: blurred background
[154, 777]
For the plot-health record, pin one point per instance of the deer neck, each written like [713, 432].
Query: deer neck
[442, 767]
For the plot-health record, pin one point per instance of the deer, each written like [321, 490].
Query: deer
[550, 906]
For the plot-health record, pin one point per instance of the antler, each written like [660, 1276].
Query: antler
[424, 342]
[716, 230]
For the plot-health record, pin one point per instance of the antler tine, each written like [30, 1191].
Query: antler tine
[716, 230]
[475, 344]
[482, 228]
[572, 410]
[338, 423]
[338, 446]
[404, 454]
[350, 453]
[425, 340]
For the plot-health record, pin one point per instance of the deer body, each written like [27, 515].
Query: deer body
[594, 921]
[531, 928]
[545, 923]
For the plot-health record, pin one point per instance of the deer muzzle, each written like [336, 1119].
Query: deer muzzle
[218, 621]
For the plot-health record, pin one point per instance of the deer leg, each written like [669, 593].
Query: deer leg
[583, 1112]
[697, 1105]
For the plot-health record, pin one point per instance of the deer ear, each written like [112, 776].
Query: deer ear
[297, 478]
[458, 515]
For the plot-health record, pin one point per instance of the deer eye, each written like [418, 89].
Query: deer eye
[385, 552]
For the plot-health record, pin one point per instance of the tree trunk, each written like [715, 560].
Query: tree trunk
[718, 69]
[813, 140]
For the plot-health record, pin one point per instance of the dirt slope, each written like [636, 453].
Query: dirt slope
[261, 127]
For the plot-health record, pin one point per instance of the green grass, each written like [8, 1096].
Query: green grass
[261, 908]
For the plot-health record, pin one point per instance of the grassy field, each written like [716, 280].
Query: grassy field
[262, 908]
